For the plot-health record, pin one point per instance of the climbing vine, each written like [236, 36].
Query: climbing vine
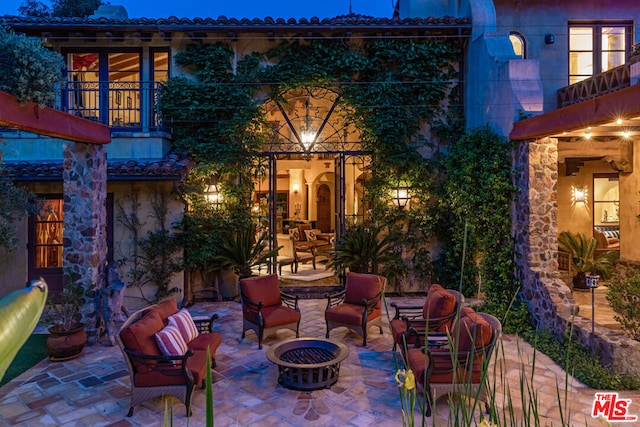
[393, 89]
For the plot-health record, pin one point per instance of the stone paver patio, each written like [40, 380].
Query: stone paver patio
[93, 390]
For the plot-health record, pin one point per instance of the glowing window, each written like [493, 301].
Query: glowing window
[518, 43]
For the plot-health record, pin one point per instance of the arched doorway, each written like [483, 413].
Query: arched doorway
[312, 173]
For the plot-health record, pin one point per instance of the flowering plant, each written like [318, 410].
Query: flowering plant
[407, 385]
[635, 49]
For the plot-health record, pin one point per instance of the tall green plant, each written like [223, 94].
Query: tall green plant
[477, 187]
[582, 251]
[363, 249]
[242, 250]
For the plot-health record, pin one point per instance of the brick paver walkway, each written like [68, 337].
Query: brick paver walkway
[93, 390]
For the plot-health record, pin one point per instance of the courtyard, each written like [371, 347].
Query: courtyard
[93, 390]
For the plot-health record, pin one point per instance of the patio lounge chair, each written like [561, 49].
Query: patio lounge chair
[358, 306]
[435, 315]
[457, 364]
[266, 309]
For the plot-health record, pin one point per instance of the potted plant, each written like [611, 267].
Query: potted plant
[362, 249]
[582, 252]
[240, 251]
[67, 335]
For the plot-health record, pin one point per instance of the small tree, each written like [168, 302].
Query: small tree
[28, 70]
[34, 8]
[74, 8]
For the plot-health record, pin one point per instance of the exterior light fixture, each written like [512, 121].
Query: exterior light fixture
[295, 188]
[401, 195]
[578, 194]
[213, 195]
[308, 132]
[626, 135]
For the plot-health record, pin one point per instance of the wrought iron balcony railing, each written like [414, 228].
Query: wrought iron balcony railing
[126, 106]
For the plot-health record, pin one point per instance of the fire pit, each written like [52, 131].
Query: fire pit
[308, 363]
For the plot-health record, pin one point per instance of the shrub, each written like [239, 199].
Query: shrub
[28, 70]
[581, 364]
[623, 296]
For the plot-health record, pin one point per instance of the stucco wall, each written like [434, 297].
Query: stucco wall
[123, 193]
[536, 19]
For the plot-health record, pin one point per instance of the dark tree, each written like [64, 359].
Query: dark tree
[34, 8]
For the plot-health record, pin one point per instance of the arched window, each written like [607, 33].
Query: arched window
[519, 44]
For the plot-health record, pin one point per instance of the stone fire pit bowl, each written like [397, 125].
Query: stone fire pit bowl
[307, 363]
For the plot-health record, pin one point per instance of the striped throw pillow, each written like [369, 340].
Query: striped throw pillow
[171, 342]
[184, 323]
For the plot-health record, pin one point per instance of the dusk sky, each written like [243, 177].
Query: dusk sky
[238, 8]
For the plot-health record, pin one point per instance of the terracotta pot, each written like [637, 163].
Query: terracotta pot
[66, 345]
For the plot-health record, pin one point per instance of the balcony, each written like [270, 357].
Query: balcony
[607, 82]
[123, 106]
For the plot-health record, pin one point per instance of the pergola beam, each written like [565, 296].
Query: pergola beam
[30, 117]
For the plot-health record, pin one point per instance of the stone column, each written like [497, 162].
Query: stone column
[536, 222]
[85, 221]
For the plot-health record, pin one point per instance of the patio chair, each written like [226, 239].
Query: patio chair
[459, 365]
[266, 309]
[289, 255]
[358, 306]
[435, 315]
[304, 250]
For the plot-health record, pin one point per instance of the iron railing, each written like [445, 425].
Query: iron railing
[121, 105]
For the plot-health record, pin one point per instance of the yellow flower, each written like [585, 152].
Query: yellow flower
[485, 423]
[410, 381]
[400, 376]
[406, 379]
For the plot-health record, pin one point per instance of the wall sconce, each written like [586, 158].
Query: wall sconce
[401, 195]
[549, 39]
[578, 194]
[295, 188]
[213, 195]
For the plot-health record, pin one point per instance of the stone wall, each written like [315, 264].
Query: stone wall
[85, 222]
[536, 229]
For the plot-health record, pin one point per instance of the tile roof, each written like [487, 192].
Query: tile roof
[346, 21]
[173, 166]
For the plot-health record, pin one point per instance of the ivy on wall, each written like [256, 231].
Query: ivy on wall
[396, 90]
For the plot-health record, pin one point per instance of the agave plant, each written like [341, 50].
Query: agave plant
[362, 249]
[241, 250]
[582, 251]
